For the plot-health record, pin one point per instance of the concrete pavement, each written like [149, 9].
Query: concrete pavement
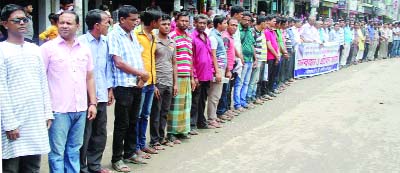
[346, 121]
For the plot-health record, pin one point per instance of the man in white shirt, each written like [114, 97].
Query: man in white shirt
[396, 41]
[308, 31]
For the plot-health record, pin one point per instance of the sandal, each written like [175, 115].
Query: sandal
[157, 146]
[167, 143]
[149, 150]
[144, 155]
[120, 166]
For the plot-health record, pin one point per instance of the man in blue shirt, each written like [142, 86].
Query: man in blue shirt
[95, 135]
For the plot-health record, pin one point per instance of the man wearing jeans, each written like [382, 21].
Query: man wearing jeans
[395, 52]
[69, 69]
[95, 136]
[128, 71]
[151, 20]
[242, 82]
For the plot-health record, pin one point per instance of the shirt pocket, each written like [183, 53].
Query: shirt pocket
[82, 63]
[58, 63]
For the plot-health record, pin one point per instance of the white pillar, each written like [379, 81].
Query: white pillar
[78, 9]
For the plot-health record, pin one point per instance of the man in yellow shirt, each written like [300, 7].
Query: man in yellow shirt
[150, 20]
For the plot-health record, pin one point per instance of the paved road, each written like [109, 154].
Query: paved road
[346, 121]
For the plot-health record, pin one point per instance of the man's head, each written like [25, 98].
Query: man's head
[68, 24]
[341, 23]
[325, 24]
[165, 25]
[282, 23]
[210, 24]
[336, 26]
[232, 26]
[14, 19]
[97, 21]
[246, 19]
[151, 18]
[311, 20]
[271, 21]
[220, 22]
[237, 12]
[357, 25]
[385, 25]
[210, 12]
[262, 13]
[351, 24]
[128, 17]
[200, 22]
[53, 18]
[318, 24]
[262, 22]
[67, 5]
[182, 21]
[298, 23]
[28, 7]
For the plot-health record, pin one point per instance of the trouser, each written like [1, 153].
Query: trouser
[291, 65]
[225, 100]
[366, 50]
[283, 71]
[66, 138]
[272, 70]
[241, 86]
[199, 98]
[377, 50]
[395, 48]
[350, 58]
[262, 81]
[22, 164]
[159, 112]
[143, 118]
[252, 89]
[371, 52]
[360, 54]
[345, 54]
[341, 47]
[94, 141]
[214, 94]
[383, 50]
[390, 45]
[126, 111]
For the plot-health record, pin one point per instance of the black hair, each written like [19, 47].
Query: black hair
[181, 14]
[261, 19]
[218, 19]
[236, 9]
[282, 20]
[125, 10]
[208, 9]
[54, 17]
[149, 16]
[248, 14]
[229, 20]
[65, 2]
[200, 16]
[72, 12]
[209, 21]
[175, 13]
[9, 9]
[93, 17]
[270, 17]
[103, 7]
[165, 17]
[336, 23]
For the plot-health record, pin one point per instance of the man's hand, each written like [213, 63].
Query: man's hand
[228, 74]
[110, 97]
[286, 55]
[92, 111]
[175, 92]
[140, 83]
[144, 76]
[276, 62]
[193, 83]
[157, 93]
[13, 134]
[255, 64]
[49, 122]
[218, 77]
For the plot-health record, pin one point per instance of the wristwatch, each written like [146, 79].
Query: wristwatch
[93, 104]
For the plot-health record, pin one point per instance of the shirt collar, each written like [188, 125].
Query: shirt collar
[60, 40]
[90, 37]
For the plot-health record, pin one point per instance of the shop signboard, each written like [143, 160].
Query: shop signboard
[342, 4]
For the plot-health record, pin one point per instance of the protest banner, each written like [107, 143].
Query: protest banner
[315, 59]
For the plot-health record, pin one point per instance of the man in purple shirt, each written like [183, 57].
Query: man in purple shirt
[69, 67]
[202, 65]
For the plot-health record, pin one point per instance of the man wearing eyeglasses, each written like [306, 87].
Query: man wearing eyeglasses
[24, 97]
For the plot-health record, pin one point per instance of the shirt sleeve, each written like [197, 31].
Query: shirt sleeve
[89, 65]
[214, 42]
[8, 118]
[113, 45]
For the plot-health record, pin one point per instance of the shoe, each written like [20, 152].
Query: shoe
[215, 124]
[206, 127]
[224, 118]
[271, 94]
[193, 132]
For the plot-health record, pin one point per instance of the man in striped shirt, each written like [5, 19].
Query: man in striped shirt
[24, 97]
